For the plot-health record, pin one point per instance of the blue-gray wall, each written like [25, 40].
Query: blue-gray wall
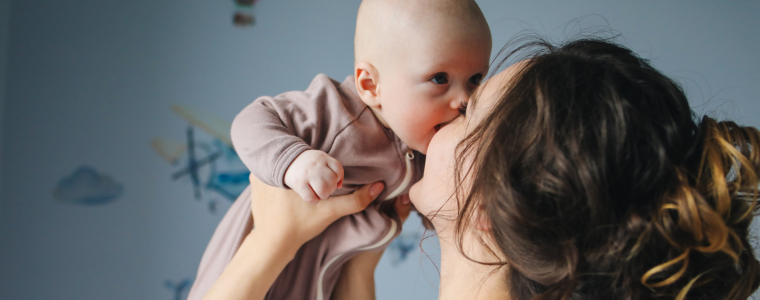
[92, 83]
[5, 13]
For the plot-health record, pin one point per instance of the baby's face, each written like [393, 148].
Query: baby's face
[424, 84]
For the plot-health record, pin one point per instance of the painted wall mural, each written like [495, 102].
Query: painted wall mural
[210, 165]
[87, 186]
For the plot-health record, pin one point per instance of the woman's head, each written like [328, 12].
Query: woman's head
[595, 181]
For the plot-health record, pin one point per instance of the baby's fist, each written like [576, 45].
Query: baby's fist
[314, 175]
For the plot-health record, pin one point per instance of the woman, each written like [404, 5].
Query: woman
[577, 173]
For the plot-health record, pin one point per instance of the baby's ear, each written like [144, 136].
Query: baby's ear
[366, 83]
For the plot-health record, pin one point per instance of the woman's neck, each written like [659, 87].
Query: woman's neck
[462, 278]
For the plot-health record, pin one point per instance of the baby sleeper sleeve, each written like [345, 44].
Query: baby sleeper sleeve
[272, 131]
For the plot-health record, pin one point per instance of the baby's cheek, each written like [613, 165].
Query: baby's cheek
[420, 134]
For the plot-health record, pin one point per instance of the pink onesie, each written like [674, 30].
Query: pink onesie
[268, 135]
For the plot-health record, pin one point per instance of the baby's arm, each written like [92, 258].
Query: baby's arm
[275, 136]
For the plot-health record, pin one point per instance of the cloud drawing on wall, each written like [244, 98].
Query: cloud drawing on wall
[86, 186]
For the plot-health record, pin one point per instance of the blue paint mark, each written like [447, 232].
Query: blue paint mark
[230, 184]
[213, 206]
[87, 186]
[180, 288]
[194, 163]
[402, 246]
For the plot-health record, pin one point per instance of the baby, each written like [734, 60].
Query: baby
[416, 64]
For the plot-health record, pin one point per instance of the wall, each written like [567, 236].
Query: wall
[5, 18]
[91, 86]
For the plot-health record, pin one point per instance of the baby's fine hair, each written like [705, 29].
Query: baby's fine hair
[600, 182]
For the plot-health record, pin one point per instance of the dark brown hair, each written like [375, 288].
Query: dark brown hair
[599, 182]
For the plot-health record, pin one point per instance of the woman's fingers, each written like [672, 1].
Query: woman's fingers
[352, 203]
[283, 212]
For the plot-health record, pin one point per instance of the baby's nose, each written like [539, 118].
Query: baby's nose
[458, 99]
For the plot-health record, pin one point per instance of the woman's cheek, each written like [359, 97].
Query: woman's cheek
[437, 185]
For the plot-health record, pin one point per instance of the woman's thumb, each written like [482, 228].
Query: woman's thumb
[375, 189]
[356, 201]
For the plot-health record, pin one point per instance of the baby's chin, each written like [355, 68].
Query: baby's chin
[424, 143]
[421, 143]
[422, 147]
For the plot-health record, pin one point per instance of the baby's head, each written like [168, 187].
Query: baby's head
[417, 61]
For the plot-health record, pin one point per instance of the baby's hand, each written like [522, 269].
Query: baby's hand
[314, 175]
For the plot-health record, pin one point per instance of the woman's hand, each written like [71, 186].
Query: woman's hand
[287, 218]
[282, 223]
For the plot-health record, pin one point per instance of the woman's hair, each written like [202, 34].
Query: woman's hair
[599, 182]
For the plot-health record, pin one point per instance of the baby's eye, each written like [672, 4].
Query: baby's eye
[463, 108]
[475, 79]
[440, 78]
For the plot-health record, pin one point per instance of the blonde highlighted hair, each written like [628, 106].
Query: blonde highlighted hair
[711, 213]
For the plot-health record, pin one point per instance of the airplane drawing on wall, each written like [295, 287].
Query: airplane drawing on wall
[211, 164]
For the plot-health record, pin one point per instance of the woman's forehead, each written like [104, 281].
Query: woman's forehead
[491, 90]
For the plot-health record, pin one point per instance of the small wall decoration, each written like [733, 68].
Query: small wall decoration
[211, 165]
[243, 15]
[179, 289]
[87, 186]
[402, 246]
